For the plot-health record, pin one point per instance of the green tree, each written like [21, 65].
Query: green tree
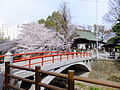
[116, 29]
[55, 21]
[41, 21]
[59, 20]
[116, 40]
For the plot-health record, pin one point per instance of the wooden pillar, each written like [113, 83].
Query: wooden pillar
[37, 78]
[71, 80]
[7, 78]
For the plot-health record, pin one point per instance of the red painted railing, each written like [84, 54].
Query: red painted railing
[19, 56]
[53, 54]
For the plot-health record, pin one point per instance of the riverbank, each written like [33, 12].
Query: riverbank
[100, 69]
[105, 69]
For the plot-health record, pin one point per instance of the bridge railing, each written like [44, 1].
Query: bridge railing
[33, 54]
[55, 56]
[71, 78]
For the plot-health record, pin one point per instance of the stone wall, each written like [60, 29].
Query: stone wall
[105, 69]
[112, 66]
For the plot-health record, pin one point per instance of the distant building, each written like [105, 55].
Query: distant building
[9, 32]
[84, 41]
[2, 28]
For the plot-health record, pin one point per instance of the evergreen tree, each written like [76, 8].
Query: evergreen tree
[116, 29]
[116, 40]
[41, 21]
[59, 21]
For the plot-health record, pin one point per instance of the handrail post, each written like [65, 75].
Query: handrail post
[53, 59]
[67, 56]
[60, 57]
[71, 80]
[72, 55]
[8, 58]
[84, 54]
[7, 78]
[37, 77]
[81, 54]
[77, 55]
[42, 61]
[29, 63]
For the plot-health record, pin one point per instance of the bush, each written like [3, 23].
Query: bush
[93, 88]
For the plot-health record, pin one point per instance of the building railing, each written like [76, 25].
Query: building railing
[71, 78]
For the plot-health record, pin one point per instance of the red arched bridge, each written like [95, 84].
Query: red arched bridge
[54, 61]
[48, 60]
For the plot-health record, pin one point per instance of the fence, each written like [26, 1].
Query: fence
[71, 78]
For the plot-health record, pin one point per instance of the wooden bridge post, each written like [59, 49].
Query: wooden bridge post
[7, 78]
[71, 80]
[37, 78]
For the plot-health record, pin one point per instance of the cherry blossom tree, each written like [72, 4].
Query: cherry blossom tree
[36, 38]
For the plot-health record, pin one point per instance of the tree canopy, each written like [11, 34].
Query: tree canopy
[59, 20]
[113, 15]
[116, 40]
[116, 29]
[37, 38]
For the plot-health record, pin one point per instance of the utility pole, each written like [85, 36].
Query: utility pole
[96, 32]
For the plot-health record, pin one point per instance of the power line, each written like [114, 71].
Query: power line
[91, 1]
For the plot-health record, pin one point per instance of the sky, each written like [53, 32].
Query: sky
[83, 11]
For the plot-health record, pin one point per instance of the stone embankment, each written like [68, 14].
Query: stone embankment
[111, 66]
[105, 69]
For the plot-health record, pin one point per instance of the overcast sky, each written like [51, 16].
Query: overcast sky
[83, 11]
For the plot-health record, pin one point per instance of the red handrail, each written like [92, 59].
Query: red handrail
[53, 59]
[2, 56]
[61, 54]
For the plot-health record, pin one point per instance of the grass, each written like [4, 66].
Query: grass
[80, 85]
[86, 87]
[94, 88]
[114, 78]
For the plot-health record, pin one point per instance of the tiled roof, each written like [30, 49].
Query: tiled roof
[84, 34]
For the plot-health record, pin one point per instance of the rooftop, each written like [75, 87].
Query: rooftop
[84, 34]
